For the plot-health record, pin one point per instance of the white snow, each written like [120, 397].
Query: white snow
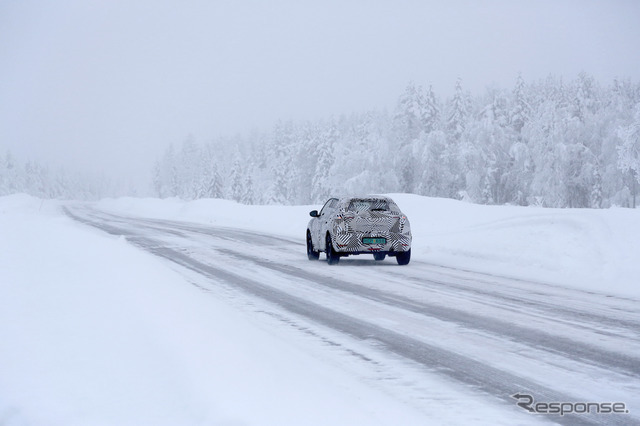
[590, 249]
[94, 331]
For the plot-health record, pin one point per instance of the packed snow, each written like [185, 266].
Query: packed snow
[591, 249]
[95, 331]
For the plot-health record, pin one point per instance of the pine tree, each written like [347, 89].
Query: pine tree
[629, 152]
[596, 191]
[585, 100]
[409, 125]
[281, 164]
[487, 193]
[410, 113]
[430, 112]
[213, 185]
[322, 186]
[458, 112]
[247, 194]
[168, 183]
[236, 181]
[521, 109]
[189, 171]
[12, 175]
[158, 185]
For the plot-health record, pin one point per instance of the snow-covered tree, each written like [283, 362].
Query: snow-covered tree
[281, 163]
[237, 180]
[458, 112]
[248, 196]
[211, 182]
[430, 111]
[596, 190]
[410, 112]
[521, 110]
[629, 151]
[553, 142]
[322, 185]
[408, 126]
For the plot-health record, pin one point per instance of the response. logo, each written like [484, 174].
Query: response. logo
[527, 402]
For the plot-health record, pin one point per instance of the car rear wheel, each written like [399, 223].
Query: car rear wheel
[404, 257]
[311, 253]
[332, 256]
[379, 256]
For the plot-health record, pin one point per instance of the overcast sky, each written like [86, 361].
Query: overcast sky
[106, 85]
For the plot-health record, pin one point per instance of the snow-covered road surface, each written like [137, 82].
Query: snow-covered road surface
[423, 328]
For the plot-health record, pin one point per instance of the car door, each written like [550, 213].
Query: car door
[315, 227]
[324, 221]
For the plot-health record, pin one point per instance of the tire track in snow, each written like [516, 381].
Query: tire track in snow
[566, 347]
[253, 238]
[539, 339]
[490, 380]
[587, 316]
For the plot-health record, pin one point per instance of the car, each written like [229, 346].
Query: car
[359, 225]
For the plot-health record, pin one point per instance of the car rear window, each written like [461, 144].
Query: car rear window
[367, 205]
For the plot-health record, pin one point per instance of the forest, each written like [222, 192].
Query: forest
[43, 181]
[551, 143]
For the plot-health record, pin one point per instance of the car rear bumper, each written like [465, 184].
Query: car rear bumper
[351, 243]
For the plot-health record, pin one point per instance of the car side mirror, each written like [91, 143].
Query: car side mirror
[313, 213]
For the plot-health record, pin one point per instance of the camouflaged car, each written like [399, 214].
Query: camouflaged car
[359, 225]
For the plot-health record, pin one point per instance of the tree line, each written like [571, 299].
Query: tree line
[40, 180]
[551, 143]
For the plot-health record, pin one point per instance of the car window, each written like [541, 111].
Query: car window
[330, 204]
[367, 205]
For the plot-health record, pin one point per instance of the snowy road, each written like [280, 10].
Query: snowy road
[489, 335]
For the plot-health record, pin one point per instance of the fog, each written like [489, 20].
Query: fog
[105, 86]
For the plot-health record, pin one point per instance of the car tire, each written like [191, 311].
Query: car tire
[332, 257]
[404, 257]
[379, 256]
[311, 253]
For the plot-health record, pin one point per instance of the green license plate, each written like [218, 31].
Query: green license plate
[374, 240]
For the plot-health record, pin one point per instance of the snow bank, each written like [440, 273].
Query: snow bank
[590, 249]
[21, 204]
[594, 250]
[95, 331]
